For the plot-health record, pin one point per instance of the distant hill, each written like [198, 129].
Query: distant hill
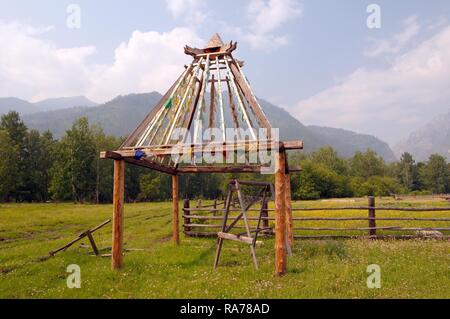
[24, 107]
[121, 115]
[117, 117]
[14, 104]
[348, 142]
[432, 138]
[64, 103]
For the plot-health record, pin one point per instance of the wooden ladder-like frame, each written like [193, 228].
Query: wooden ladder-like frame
[245, 237]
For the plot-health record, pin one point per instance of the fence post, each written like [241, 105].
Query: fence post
[187, 220]
[265, 215]
[215, 207]
[372, 221]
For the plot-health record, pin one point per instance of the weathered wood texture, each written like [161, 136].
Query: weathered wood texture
[118, 201]
[372, 222]
[280, 213]
[175, 214]
[254, 146]
[186, 213]
[289, 221]
[87, 233]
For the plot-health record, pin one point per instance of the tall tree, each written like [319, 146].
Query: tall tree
[330, 158]
[436, 174]
[367, 164]
[15, 127]
[17, 131]
[103, 168]
[39, 157]
[407, 172]
[9, 170]
[74, 170]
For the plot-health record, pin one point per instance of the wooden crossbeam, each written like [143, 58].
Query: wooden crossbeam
[151, 165]
[220, 169]
[242, 239]
[204, 148]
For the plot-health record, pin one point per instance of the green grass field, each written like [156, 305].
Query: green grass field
[316, 269]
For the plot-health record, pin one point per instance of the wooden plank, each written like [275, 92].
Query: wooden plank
[202, 94]
[242, 239]
[224, 226]
[222, 116]
[175, 221]
[110, 155]
[321, 218]
[405, 209]
[180, 149]
[349, 228]
[280, 214]
[118, 202]
[219, 169]
[153, 166]
[91, 240]
[244, 215]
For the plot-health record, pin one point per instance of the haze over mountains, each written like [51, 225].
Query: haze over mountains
[433, 137]
[122, 114]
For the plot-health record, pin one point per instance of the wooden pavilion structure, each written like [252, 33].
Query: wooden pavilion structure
[212, 92]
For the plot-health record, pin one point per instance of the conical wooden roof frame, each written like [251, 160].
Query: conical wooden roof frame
[213, 74]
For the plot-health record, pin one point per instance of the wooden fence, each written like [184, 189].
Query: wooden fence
[205, 221]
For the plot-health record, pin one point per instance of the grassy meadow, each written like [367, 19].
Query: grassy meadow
[156, 268]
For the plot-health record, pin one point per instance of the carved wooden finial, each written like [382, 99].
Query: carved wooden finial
[215, 41]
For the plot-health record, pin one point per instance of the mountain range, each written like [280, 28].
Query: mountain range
[432, 138]
[24, 107]
[122, 114]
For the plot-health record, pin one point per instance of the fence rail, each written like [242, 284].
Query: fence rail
[198, 221]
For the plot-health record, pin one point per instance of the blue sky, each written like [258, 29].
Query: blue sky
[318, 59]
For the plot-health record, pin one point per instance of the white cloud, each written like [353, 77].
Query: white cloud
[33, 68]
[193, 11]
[387, 102]
[265, 17]
[398, 42]
[148, 61]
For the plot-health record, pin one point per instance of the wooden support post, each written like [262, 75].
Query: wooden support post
[117, 227]
[175, 220]
[280, 212]
[92, 241]
[187, 220]
[372, 222]
[289, 223]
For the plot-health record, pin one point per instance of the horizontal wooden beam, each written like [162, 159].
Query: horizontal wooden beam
[220, 169]
[110, 155]
[213, 143]
[153, 166]
[242, 239]
[206, 148]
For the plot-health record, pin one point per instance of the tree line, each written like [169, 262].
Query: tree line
[36, 167]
